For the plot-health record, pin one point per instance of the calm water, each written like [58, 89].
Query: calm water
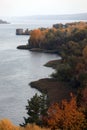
[17, 69]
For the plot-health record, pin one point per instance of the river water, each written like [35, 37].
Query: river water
[17, 69]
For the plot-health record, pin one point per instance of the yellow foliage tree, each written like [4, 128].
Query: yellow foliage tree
[33, 127]
[5, 124]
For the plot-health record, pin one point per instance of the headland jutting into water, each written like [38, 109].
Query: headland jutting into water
[70, 42]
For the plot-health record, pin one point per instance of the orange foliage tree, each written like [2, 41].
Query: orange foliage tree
[66, 116]
[36, 38]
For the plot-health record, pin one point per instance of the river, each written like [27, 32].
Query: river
[17, 69]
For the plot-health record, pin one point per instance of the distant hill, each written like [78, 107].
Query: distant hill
[3, 22]
[82, 16]
[26, 19]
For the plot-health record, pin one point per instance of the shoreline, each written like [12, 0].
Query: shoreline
[56, 91]
[26, 47]
[64, 41]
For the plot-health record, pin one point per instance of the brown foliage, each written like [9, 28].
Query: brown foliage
[85, 52]
[66, 116]
[80, 67]
[84, 98]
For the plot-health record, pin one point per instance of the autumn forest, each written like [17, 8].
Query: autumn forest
[70, 42]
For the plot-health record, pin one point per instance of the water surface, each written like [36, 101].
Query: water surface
[17, 69]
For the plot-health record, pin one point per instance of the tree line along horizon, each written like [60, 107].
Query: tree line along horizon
[70, 42]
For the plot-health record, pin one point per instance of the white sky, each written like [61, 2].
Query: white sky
[38, 7]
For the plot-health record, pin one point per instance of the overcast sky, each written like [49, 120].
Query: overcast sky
[41, 7]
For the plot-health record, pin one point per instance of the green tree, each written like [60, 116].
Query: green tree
[36, 109]
[63, 72]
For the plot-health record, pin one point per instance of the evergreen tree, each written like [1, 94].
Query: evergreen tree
[36, 109]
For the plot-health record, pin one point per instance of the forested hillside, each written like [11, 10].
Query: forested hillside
[70, 42]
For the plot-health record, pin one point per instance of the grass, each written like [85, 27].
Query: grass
[56, 91]
[53, 63]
